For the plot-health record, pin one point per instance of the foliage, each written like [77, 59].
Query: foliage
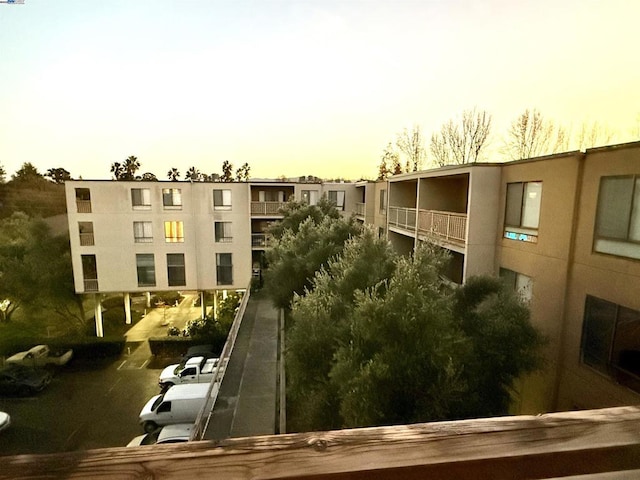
[27, 174]
[411, 144]
[126, 170]
[242, 173]
[3, 174]
[173, 174]
[300, 249]
[227, 308]
[58, 175]
[149, 177]
[194, 175]
[227, 172]
[168, 298]
[389, 163]
[384, 339]
[294, 213]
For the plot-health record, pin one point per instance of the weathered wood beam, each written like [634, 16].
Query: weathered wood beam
[588, 443]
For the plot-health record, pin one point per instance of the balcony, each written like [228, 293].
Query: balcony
[90, 284]
[84, 206]
[589, 445]
[359, 210]
[447, 226]
[402, 217]
[86, 239]
[270, 209]
[260, 240]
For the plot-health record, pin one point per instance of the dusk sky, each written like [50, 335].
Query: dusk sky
[298, 87]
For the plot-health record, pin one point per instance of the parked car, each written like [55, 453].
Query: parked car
[41, 356]
[180, 404]
[179, 432]
[5, 420]
[194, 370]
[23, 381]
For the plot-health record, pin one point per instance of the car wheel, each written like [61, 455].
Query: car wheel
[149, 427]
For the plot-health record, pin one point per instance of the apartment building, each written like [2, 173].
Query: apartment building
[564, 231]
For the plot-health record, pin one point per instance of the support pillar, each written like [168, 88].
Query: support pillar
[203, 306]
[127, 308]
[148, 294]
[98, 314]
[215, 304]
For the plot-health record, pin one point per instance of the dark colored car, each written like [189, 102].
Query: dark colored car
[23, 381]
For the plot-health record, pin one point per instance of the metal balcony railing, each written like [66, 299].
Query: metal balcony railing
[446, 225]
[359, 210]
[260, 240]
[402, 217]
[84, 206]
[90, 284]
[86, 239]
[266, 208]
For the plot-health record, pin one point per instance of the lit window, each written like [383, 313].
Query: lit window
[521, 284]
[141, 198]
[222, 199]
[310, 197]
[222, 232]
[611, 340]
[146, 270]
[142, 232]
[173, 232]
[172, 198]
[337, 198]
[224, 268]
[618, 217]
[523, 211]
[176, 274]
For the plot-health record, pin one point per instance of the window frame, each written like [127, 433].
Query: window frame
[336, 193]
[223, 198]
[144, 238]
[172, 266]
[226, 232]
[175, 232]
[172, 198]
[224, 272]
[516, 209]
[146, 272]
[145, 196]
[520, 283]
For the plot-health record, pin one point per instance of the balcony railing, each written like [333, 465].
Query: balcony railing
[359, 210]
[260, 240]
[90, 284]
[445, 225]
[86, 239]
[266, 208]
[590, 445]
[402, 217]
[84, 206]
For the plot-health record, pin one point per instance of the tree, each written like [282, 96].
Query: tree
[299, 250]
[529, 136]
[412, 145]
[194, 175]
[149, 177]
[173, 174]
[27, 174]
[126, 170]
[460, 143]
[294, 213]
[118, 170]
[227, 172]
[389, 163]
[3, 174]
[593, 135]
[242, 174]
[58, 175]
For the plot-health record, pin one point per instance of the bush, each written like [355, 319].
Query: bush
[169, 298]
[175, 347]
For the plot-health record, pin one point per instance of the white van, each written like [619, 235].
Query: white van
[180, 404]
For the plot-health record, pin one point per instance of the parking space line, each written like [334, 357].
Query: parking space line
[122, 365]
[146, 362]
[112, 387]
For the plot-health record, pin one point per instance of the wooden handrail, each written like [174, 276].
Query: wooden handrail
[547, 446]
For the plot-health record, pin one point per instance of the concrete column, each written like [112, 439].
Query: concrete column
[98, 315]
[148, 294]
[127, 308]
[203, 306]
[215, 304]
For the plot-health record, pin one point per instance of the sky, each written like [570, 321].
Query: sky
[306, 87]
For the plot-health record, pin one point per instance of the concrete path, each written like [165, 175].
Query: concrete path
[247, 401]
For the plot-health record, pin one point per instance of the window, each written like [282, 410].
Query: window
[224, 268]
[337, 197]
[173, 232]
[172, 198]
[86, 234]
[310, 197]
[146, 270]
[83, 200]
[222, 232]
[142, 232]
[519, 283]
[222, 199]
[90, 273]
[611, 340]
[523, 211]
[175, 270]
[141, 198]
[618, 216]
[383, 201]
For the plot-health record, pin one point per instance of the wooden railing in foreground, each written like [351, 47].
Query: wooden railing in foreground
[592, 443]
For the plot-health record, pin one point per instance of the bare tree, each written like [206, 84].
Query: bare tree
[463, 142]
[529, 135]
[411, 144]
[389, 163]
[593, 135]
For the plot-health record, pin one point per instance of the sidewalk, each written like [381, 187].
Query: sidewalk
[246, 404]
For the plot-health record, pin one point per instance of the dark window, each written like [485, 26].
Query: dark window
[172, 198]
[175, 270]
[222, 199]
[337, 197]
[224, 268]
[164, 407]
[522, 214]
[611, 340]
[86, 234]
[223, 232]
[90, 273]
[383, 201]
[146, 270]
[83, 200]
[618, 216]
[141, 198]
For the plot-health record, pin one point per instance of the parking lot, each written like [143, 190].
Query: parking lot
[92, 404]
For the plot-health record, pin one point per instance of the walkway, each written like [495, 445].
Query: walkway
[248, 399]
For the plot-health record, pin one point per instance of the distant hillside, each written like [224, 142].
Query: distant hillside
[36, 198]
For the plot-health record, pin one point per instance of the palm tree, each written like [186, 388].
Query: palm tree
[193, 174]
[173, 174]
[130, 166]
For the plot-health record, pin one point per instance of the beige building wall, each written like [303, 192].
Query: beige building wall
[612, 278]
[545, 262]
